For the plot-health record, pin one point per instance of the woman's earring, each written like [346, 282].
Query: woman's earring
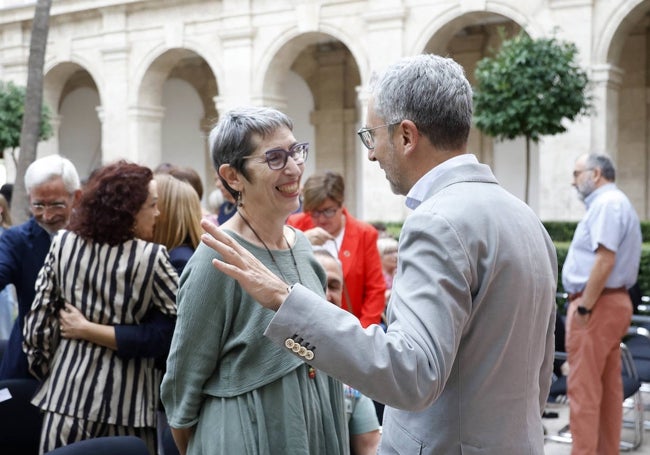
[239, 201]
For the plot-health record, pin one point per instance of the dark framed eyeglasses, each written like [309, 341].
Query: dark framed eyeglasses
[327, 213]
[276, 159]
[367, 136]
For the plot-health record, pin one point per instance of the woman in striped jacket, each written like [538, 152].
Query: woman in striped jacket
[102, 267]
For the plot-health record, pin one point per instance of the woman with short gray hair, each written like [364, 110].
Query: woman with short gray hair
[228, 389]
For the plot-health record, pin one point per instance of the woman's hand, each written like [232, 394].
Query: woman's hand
[74, 326]
[182, 438]
[72, 322]
[238, 263]
[318, 236]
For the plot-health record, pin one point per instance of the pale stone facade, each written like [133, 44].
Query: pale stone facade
[145, 80]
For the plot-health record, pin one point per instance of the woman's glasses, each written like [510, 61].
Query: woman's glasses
[327, 213]
[277, 158]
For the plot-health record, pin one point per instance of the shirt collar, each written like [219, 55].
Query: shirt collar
[594, 194]
[421, 188]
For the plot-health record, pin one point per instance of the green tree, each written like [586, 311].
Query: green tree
[530, 88]
[12, 105]
[31, 126]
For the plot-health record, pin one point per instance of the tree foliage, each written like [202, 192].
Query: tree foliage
[12, 106]
[529, 88]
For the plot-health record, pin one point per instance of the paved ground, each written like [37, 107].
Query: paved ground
[554, 425]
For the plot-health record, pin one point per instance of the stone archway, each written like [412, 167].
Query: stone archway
[73, 95]
[175, 110]
[625, 116]
[331, 75]
[468, 39]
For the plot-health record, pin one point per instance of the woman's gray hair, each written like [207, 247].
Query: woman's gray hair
[432, 92]
[602, 162]
[49, 167]
[236, 135]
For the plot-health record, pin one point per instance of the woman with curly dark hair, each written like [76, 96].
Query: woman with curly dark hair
[104, 268]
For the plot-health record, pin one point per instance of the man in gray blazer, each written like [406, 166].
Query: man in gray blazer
[465, 365]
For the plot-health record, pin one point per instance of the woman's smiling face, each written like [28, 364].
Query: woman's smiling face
[272, 191]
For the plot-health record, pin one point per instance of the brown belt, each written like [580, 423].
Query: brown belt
[605, 291]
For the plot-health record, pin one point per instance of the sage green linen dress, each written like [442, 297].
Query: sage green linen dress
[241, 392]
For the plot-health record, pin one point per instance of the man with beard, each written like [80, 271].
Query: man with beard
[601, 265]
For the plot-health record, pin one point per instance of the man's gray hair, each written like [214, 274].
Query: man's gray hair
[432, 92]
[602, 162]
[49, 167]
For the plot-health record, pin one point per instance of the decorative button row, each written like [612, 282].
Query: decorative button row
[299, 349]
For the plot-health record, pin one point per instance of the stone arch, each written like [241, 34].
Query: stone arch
[57, 74]
[278, 57]
[330, 69]
[620, 21]
[155, 69]
[620, 71]
[452, 20]
[468, 36]
[74, 94]
[165, 72]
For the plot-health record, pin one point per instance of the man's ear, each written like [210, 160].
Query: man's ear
[409, 136]
[598, 173]
[76, 197]
[231, 176]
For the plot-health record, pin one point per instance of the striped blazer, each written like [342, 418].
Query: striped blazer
[110, 285]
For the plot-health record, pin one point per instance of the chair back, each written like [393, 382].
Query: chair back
[631, 380]
[106, 445]
[638, 342]
[20, 421]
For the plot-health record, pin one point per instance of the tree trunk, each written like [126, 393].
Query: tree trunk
[527, 164]
[31, 127]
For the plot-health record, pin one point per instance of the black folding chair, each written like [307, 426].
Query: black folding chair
[20, 421]
[107, 445]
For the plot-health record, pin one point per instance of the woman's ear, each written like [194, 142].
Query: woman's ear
[231, 176]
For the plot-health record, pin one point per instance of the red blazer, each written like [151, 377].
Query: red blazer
[362, 271]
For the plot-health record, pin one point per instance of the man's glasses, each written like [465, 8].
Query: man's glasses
[576, 174]
[327, 213]
[368, 138]
[277, 158]
[38, 208]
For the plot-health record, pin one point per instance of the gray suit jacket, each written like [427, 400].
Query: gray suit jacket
[465, 365]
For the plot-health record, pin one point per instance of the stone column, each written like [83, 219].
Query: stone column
[206, 126]
[384, 35]
[238, 53]
[606, 85]
[115, 52]
[148, 122]
[15, 53]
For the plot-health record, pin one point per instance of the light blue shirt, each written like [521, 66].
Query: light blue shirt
[612, 222]
[421, 188]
